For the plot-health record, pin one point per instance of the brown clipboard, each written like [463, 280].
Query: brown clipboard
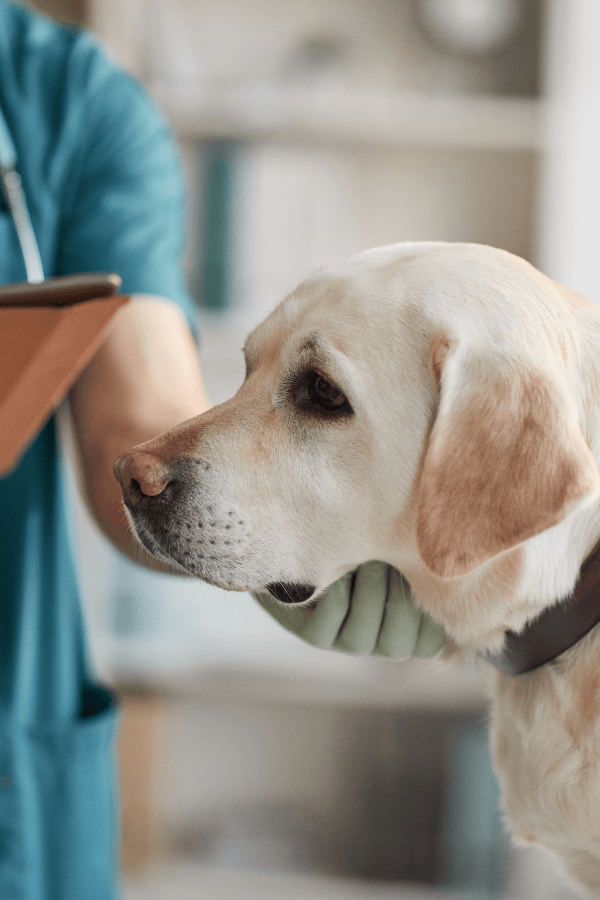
[48, 334]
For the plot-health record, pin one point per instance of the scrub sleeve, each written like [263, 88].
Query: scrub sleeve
[103, 185]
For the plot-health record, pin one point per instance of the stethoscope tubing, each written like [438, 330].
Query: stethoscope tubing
[14, 195]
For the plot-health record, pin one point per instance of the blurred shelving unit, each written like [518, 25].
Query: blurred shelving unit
[365, 89]
[354, 119]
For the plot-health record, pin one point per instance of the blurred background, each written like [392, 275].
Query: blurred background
[253, 765]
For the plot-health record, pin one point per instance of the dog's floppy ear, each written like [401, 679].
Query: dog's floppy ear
[505, 460]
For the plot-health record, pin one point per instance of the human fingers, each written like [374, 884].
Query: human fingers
[432, 638]
[366, 604]
[402, 622]
[326, 619]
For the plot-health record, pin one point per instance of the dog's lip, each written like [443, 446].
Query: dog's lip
[151, 544]
[290, 593]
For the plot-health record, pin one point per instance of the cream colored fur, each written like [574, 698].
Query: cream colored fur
[470, 463]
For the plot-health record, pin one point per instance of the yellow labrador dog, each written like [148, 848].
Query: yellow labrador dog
[437, 407]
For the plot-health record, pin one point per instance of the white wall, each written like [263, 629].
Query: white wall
[569, 214]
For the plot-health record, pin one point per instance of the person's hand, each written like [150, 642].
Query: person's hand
[367, 612]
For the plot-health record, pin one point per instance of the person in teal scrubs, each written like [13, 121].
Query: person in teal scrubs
[103, 186]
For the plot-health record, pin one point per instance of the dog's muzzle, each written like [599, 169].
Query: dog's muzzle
[206, 543]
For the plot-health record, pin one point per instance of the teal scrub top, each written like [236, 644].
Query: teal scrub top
[103, 184]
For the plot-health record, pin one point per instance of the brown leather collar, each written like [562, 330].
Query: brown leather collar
[557, 628]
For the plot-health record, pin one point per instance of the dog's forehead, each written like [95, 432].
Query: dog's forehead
[285, 323]
[407, 290]
[329, 309]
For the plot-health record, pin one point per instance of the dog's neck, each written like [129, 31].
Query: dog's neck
[512, 591]
[557, 629]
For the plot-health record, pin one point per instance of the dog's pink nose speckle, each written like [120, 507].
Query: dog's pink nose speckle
[140, 475]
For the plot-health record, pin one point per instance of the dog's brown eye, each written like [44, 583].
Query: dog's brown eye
[324, 394]
[312, 393]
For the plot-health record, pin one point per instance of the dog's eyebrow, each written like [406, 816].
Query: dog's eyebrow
[316, 349]
[321, 350]
[313, 344]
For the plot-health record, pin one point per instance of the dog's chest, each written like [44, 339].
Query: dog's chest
[545, 738]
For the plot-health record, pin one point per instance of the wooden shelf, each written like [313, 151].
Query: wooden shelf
[262, 112]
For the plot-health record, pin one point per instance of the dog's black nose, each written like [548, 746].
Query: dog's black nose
[142, 477]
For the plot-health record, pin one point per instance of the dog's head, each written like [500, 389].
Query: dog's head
[418, 404]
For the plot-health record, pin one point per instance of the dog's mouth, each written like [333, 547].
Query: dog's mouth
[286, 592]
[219, 572]
[291, 593]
